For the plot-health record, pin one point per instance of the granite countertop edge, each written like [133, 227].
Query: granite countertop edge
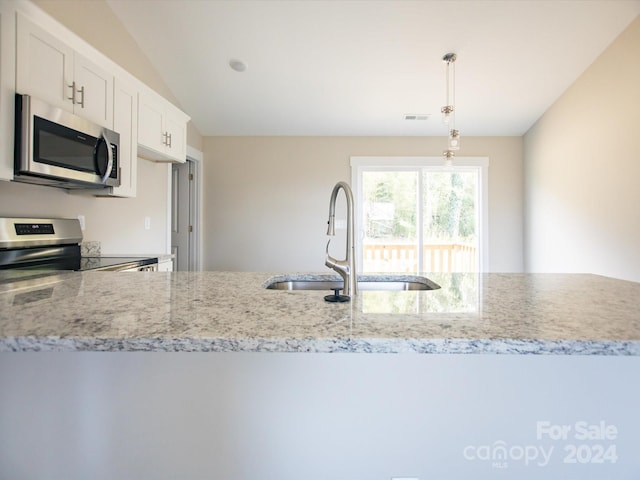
[319, 345]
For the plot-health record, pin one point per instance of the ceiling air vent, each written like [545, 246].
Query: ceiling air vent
[416, 116]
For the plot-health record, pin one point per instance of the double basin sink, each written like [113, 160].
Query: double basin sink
[365, 282]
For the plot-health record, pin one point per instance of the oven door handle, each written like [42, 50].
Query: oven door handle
[107, 143]
[130, 267]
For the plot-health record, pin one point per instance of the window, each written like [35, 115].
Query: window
[413, 215]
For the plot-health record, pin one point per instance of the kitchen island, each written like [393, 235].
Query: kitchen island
[227, 311]
[495, 376]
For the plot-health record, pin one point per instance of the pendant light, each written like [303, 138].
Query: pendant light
[449, 110]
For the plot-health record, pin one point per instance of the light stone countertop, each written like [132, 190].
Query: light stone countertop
[232, 311]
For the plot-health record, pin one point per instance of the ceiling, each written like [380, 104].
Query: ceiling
[337, 67]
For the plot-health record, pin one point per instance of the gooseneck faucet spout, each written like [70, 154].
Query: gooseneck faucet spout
[347, 267]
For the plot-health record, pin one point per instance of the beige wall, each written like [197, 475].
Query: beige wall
[117, 222]
[582, 171]
[266, 199]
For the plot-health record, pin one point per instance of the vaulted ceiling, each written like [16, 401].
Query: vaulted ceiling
[335, 67]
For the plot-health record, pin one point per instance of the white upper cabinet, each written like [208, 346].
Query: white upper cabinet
[49, 69]
[7, 90]
[44, 64]
[94, 92]
[151, 132]
[162, 129]
[176, 125]
[125, 122]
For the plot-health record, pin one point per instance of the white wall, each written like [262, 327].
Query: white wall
[266, 199]
[582, 171]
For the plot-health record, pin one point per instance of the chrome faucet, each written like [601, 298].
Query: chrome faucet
[347, 267]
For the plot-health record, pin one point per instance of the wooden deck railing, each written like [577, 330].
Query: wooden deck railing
[398, 257]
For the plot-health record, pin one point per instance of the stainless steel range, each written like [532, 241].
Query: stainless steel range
[32, 245]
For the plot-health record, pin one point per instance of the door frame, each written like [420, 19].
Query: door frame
[195, 157]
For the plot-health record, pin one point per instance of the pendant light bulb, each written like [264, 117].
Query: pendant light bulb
[448, 157]
[454, 139]
[447, 113]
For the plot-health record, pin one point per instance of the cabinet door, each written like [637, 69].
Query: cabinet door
[177, 129]
[162, 129]
[44, 65]
[94, 92]
[125, 122]
[7, 89]
[151, 124]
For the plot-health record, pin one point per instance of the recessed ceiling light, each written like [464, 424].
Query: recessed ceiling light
[416, 116]
[237, 65]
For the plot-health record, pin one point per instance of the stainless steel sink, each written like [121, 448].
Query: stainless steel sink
[365, 282]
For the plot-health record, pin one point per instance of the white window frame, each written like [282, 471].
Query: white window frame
[479, 164]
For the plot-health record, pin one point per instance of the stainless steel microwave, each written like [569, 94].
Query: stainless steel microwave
[57, 148]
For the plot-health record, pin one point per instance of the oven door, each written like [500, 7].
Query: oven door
[56, 145]
[57, 257]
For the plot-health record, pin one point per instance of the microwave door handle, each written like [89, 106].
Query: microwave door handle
[109, 158]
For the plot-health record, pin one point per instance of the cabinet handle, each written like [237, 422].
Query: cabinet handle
[169, 135]
[73, 93]
[81, 92]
